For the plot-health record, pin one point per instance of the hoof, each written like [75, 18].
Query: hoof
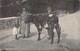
[57, 42]
[51, 42]
[16, 38]
[38, 39]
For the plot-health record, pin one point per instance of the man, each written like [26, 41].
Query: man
[24, 28]
[49, 15]
[53, 17]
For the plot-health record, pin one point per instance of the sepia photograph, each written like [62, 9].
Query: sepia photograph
[39, 25]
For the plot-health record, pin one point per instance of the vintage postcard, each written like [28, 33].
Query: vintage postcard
[39, 25]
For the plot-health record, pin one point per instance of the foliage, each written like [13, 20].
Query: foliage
[12, 8]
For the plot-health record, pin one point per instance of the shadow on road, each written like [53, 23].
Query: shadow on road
[33, 34]
[5, 37]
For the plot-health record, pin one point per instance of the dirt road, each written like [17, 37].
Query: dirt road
[70, 33]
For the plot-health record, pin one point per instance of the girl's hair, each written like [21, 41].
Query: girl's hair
[16, 24]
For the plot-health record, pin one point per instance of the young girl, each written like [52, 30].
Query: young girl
[15, 30]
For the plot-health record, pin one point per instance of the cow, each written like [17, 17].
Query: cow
[52, 21]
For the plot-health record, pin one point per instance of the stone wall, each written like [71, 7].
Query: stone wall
[6, 23]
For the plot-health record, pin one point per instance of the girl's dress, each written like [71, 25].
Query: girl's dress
[15, 31]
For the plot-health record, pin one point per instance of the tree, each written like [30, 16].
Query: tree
[13, 7]
[38, 6]
[10, 8]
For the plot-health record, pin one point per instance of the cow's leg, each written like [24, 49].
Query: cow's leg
[39, 30]
[52, 35]
[51, 32]
[39, 36]
[58, 30]
[52, 38]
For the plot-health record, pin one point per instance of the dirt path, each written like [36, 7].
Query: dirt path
[69, 37]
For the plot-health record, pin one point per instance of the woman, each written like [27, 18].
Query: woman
[24, 28]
